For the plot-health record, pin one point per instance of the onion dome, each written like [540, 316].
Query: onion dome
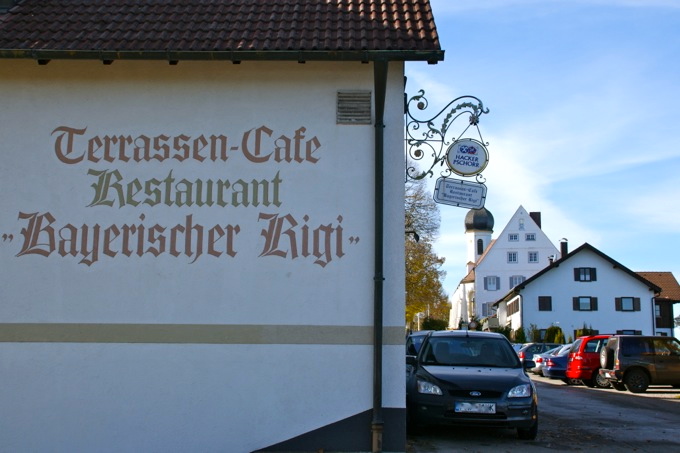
[479, 220]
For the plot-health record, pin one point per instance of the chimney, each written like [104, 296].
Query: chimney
[536, 216]
[564, 247]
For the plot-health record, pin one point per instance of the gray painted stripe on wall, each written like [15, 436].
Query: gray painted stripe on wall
[195, 334]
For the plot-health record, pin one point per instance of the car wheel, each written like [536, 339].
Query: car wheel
[619, 386]
[636, 381]
[529, 433]
[601, 381]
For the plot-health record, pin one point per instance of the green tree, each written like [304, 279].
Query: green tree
[506, 331]
[534, 333]
[424, 291]
[585, 330]
[520, 335]
[554, 334]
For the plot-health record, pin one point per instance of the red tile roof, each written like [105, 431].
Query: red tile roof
[220, 29]
[666, 281]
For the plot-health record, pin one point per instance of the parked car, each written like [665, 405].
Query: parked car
[517, 346]
[584, 360]
[414, 340]
[556, 367]
[529, 349]
[541, 359]
[470, 378]
[635, 362]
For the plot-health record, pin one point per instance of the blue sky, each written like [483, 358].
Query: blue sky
[584, 121]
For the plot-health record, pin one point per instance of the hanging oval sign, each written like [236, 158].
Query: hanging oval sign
[467, 157]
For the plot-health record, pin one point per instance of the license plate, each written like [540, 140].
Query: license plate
[476, 408]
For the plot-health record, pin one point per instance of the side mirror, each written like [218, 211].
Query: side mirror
[411, 360]
[528, 364]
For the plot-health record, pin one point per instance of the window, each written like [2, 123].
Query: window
[533, 257]
[521, 224]
[657, 311]
[585, 303]
[512, 257]
[487, 309]
[480, 246]
[628, 332]
[492, 283]
[513, 307]
[585, 274]
[530, 236]
[516, 280]
[513, 237]
[627, 303]
[544, 303]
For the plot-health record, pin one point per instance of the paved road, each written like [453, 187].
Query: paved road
[575, 418]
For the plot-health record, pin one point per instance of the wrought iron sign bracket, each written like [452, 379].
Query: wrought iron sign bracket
[425, 141]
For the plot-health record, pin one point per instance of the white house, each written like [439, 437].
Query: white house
[200, 221]
[496, 265]
[584, 288]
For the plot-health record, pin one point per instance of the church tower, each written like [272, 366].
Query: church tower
[478, 230]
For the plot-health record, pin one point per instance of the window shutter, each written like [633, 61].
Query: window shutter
[636, 303]
[576, 274]
[618, 304]
[593, 274]
[593, 303]
[498, 282]
[510, 282]
[486, 283]
[576, 304]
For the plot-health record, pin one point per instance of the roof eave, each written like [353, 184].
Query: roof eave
[432, 56]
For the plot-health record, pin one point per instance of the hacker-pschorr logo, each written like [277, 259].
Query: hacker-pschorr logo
[467, 157]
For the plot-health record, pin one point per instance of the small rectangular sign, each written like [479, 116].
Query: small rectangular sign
[456, 192]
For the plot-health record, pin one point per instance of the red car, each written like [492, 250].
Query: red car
[584, 360]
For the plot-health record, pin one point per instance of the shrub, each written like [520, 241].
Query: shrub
[520, 336]
[434, 324]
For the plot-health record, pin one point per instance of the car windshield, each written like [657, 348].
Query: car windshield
[470, 351]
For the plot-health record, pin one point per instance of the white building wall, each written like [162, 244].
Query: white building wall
[271, 329]
[610, 283]
[495, 263]
[559, 283]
